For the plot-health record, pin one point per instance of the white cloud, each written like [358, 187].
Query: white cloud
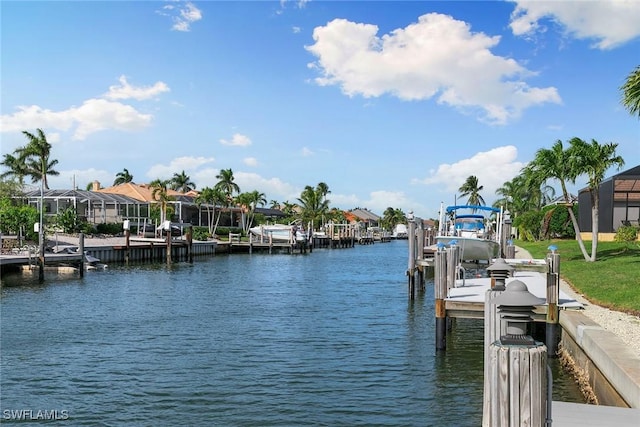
[182, 15]
[126, 91]
[436, 57]
[99, 114]
[95, 114]
[273, 188]
[177, 165]
[492, 168]
[307, 152]
[250, 161]
[609, 22]
[237, 140]
[92, 116]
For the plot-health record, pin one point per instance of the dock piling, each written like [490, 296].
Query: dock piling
[412, 259]
[440, 293]
[81, 250]
[553, 295]
[515, 377]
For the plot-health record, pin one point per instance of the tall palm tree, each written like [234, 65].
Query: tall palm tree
[631, 92]
[35, 158]
[472, 189]
[211, 198]
[249, 201]
[182, 182]
[227, 185]
[160, 193]
[323, 189]
[314, 206]
[594, 160]
[556, 163]
[123, 177]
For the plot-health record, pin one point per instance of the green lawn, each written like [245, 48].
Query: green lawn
[613, 280]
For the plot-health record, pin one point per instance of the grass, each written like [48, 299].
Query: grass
[612, 281]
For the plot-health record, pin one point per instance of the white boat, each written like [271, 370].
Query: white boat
[279, 233]
[400, 232]
[473, 232]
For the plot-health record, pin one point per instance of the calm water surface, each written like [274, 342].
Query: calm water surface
[323, 339]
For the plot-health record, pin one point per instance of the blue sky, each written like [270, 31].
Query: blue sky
[389, 103]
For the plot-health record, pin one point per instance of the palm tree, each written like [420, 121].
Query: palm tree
[557, 163]
[35, 159]
[16, 168]
[392, 217]
[211, 197]
[182, 182]
[631, 92]
[323, 189]
[313, 204]
[249, 201]
[227, 186]
[160, 193]
[123, 177]
[472, 189]
[594, 160]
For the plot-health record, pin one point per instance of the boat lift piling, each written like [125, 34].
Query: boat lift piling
[415, 273]
[440, 294]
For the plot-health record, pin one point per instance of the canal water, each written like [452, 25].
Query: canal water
[323, 339]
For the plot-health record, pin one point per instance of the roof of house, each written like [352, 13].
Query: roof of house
[144, 192]
[81, 195]
[364, 214]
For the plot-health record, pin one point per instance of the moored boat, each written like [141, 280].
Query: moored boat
[280, 233]
[473, 232]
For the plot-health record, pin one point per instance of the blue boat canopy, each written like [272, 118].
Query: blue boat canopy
[473, 207]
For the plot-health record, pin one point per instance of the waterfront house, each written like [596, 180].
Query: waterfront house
[619, 204]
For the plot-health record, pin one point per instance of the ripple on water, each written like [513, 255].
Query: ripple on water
[328, 338]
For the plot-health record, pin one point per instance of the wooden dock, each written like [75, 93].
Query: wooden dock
[467, 298]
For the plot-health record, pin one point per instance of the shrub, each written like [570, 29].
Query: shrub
[627, 234]
[528, 225]
[560, 226]
[15, 219]
[200, 233]
[113, 228]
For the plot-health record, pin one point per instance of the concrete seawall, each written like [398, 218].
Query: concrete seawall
[612, 369]
[610, 366]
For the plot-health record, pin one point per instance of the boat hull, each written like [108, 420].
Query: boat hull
[278, 234]
[473, 249]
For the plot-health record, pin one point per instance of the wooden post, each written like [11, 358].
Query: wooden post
[412, 259]
[492, 332]
[41, 259]
[553, 295]
[81, 250]
[420, 254]
[190, 244]
[440, 293]
[453, 260]
[517, 380]
[168, 239]
[127, 245]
